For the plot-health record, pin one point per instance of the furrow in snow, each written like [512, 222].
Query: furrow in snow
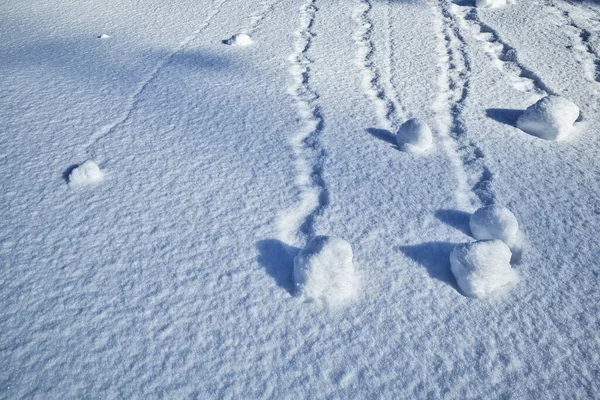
[259, 17]
[473, 177]
[296, 225]
[106, 130]
[373, 87]
[503, 56]
[394, 94]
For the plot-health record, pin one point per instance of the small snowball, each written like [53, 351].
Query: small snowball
[87, 173]
[241, 39]
[482, 269]
[324, 270]
[414, 135]
[494, 222]
[551, 118]
[104, 36]
[490, 3]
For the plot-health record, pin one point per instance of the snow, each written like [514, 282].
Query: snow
[324, 270]
[490, 3]
[494, 222]
[86, 174]
[550, 118]
[482, 269]
[240, 39]
[174, 277]
[414, 136]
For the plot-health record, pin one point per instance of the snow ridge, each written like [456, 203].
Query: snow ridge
[107, 129]
[385, 108]
[503, 56]
[473, 177]
[296, 225]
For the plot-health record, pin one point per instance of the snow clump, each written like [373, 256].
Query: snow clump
[482, 269]
[551, 118]
[414, 136]
[241, 39]
[495, 222]
[490, 3]
[324, 270]
[87, 173]
[104, 36]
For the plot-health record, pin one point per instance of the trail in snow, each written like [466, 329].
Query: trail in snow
[258, 18]
[473, 177]
[106, 130]
[584, 50]
[386, 108]
[296, 225]
[503, 56]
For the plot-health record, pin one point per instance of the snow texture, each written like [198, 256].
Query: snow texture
[550, 118]
[482, 269]
[324, 270]
[414, 136]
[241, 39]
[86, 174]
[494, 222]
[490, 3]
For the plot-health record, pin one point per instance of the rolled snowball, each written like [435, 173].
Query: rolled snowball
[551, 118]
[414, 136]
[482, 269]
[87, 173]
[324, 270]
[241, 39]
[494, 222]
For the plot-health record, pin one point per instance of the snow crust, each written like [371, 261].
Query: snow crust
[414, 136]
[494, 222]
[324, 270]
[86, 174]
[240, 39]
[482, 269]
[550, 118]
[490, 3]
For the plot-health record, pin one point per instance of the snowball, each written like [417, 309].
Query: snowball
[490, 3]
[482, 269]
[241, 39]
[87, 173]
[551, 118]
[324, 270]
[104, 36]
[414, 135]
[494, 222]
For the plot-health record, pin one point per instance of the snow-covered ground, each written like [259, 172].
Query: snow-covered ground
[163, 164]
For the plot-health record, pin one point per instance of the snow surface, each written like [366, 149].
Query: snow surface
[482, 269]
[414, 136]
[324, 271]
[550, 118]
[490, 3]
[494, 222]
[174, 278]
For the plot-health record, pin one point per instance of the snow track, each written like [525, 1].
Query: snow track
[258, 18]
[473, 177]
[106, 130]
[503, 56]
[296, 225]
[372, 82]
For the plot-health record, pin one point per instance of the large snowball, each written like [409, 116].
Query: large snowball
[490, 3]
[551, 118]
[414, 136]
[87, 173]
[324, 270]
[482, 269]
[241, 39]
[494, 222]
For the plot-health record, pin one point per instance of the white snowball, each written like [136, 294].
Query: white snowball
[241, 39]
[104, 36]
[494, 222]
[490, 3]
[414, 135]
[551, 118]
[87, 173]
[324, 270]
[482, 269]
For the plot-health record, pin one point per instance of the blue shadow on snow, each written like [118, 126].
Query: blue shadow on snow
[435, 257]
[277, 258]
[456, 219]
